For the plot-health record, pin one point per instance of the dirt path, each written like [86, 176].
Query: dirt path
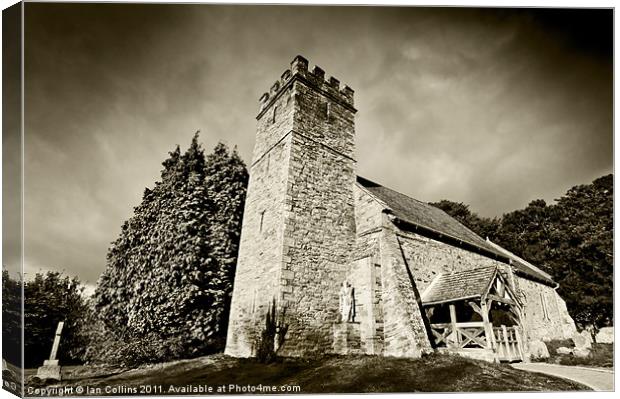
[597, 379]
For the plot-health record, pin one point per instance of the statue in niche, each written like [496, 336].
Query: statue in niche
[347, 303]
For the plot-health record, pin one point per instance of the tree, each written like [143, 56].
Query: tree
[168, 273]
[526, 232]
[11, 319]
[226, 183]
[484, 227]
[48, 299]
[581, 251]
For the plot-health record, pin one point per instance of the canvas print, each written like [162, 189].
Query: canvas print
[258, 199]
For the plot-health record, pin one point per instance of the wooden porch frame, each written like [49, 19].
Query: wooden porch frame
[466, 333]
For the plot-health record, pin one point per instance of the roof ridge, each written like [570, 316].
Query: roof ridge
[473, 269]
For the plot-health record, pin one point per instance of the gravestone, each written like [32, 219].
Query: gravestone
[581, 352]
[538, 350]
[562, 350]
[583, 340]
[51, 368]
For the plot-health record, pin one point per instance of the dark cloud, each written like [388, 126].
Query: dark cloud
[490, 107]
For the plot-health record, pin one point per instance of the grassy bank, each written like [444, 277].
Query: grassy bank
[435, 373]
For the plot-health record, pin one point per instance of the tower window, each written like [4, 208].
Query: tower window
[328, 110]
[273, 116]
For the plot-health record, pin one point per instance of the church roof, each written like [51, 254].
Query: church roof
[518, 260]
[444, 226]
[459, 285]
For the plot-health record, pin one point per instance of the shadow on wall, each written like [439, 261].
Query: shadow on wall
[273, 335]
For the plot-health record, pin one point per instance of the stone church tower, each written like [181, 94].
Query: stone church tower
[299, 223]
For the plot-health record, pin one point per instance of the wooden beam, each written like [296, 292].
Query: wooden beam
[488, 328]
[519, 342]
[472, 335]
[453, 322]
[467, 324]
[475, 307]
[502, 300]
[507, 343]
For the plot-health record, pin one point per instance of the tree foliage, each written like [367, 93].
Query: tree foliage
[484, 227]
[580, 252]
[106, 347]
[572, 240]
[168, 275]
[226, 183]
[49, 298]
[11, 319]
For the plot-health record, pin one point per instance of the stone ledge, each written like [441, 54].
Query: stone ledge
[49, 370]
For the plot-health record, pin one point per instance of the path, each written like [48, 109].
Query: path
[597, 379]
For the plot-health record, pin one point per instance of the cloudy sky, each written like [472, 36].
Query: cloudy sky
[493, 108]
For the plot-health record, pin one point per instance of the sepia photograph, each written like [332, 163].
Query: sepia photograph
[216, 199]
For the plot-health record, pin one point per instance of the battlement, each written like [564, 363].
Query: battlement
[315, 78]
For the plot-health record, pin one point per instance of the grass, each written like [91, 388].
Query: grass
[601, 355]
[330, 374]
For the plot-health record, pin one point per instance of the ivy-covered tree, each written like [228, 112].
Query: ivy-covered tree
[226, 184]
[168, 273]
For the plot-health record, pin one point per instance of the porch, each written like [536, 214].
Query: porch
[475, 313]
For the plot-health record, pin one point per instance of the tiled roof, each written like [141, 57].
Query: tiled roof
[434, 219]
[459, 285]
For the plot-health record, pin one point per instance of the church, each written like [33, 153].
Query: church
[354, 267]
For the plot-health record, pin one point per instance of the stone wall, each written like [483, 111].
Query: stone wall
[427, 258]
[405, 333]
[319, 237]
[259, 265]
[546, 316]
[368, 211]
[365, 278]
[393, 325]
[368, 222]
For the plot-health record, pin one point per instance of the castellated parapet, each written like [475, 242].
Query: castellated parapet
[331, 88]
[299, 225]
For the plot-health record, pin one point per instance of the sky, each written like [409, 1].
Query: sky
[493, 108]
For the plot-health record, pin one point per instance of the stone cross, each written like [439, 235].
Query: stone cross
[50, 368]
[56, 340]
